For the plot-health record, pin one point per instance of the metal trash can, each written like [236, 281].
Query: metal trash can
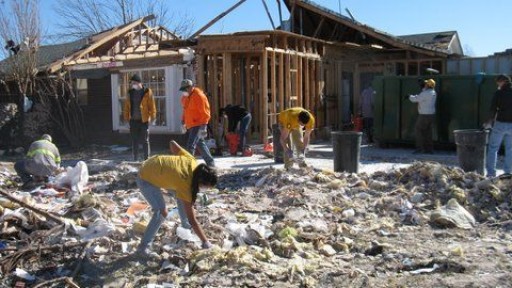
[276, 143]
[346, 146]
[471, 149]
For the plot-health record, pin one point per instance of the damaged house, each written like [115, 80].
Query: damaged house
[318, 59]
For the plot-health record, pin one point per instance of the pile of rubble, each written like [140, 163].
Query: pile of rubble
[269, 227]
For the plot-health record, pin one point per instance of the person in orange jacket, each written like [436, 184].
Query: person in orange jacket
[139, 110]
[196, 114]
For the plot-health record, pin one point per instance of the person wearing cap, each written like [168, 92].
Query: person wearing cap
[196, 115]
[291, 122]
[42, 160]
[139, 110]
[501, 115]
[424, 125]
[237, 114]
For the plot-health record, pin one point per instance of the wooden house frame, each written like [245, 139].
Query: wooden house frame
[241, 68]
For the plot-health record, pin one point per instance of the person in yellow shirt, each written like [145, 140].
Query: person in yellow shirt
[180, 175]
[291, 122]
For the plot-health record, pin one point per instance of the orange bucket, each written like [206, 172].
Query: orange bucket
[233, 140]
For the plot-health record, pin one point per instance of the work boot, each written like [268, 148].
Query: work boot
[29, 185]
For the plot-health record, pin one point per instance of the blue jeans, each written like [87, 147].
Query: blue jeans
[501, 131]
[244, 126]
[154, 196]
[196, 137]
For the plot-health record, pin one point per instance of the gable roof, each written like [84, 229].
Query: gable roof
[317, 21]
[124, 42]
[48, 54]
[447, 40]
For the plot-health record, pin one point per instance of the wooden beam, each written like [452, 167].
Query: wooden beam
[227, 79]
[317, 30]
[333, 31]
[358, 27]
[307, 95]
[114, 33]
[200, 71]
[273, 85]
[295, 53]
[299, 93]
[292, 17]
[248, 82]
[264, 98]
[288, 82]
[221, 15]
[281, 82]
[268, 14]
[215, 93]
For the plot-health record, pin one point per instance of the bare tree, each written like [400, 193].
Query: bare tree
[82, 18]
[54, 102]
[20, 31]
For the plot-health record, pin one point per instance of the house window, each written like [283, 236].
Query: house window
[164, 82]
[81, 91]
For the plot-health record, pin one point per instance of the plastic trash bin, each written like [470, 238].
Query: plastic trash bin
[276, 142]
[471, 149]
[346, 146]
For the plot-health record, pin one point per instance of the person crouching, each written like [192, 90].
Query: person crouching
[182, 177]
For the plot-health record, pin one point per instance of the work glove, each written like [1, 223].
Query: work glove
[487, 125]
[183, 128]
[206, 245]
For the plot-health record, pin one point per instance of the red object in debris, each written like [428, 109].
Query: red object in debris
[358, 123]
[269, 148]
[233, 140]
[247, 152]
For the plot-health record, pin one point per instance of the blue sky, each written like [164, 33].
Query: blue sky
[482, 25]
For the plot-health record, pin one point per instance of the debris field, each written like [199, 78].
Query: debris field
[426, 225]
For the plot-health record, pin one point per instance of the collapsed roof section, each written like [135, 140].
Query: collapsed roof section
[135, 40]
[310, 19]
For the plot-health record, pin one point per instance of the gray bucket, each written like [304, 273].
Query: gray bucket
[346, 146]
[276, 142]
[471, 149]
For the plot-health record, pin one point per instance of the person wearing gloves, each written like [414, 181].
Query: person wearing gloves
[501, 115]
[139, 110]
[42, 160]
[237, 114]
[427, 109]
[181, 176]
[291, 122]
[196, 115]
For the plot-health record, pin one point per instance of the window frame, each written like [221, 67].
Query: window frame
[173, 76]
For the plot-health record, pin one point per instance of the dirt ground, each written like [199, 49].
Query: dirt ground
[272, 228]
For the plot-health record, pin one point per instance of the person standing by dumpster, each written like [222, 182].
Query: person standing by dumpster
[367, 105]
[196, 115]
[501, 115]
[237, 114]
[42, 161]
[139, 110]
[291, 123]
[182, 177]
[424, 125]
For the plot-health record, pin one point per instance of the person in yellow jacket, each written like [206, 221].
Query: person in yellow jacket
[196, 115]
[43, 160]
[291, 122]
[181, 176]
[139, 110]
